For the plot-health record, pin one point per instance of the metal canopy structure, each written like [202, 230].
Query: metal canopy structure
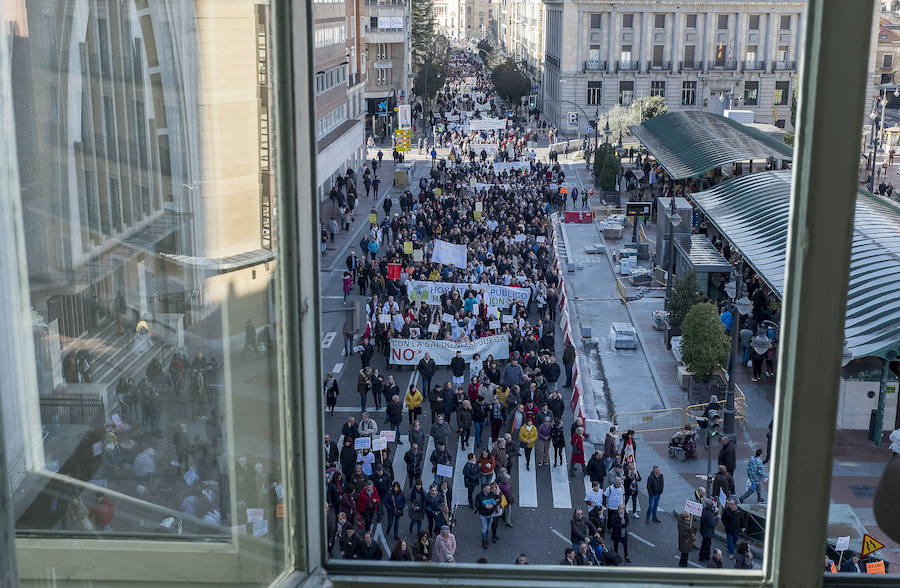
[688, 144]
[701, 254]
[752, 212]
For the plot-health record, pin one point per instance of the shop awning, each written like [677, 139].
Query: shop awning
[752, 212]
[701, 254]
[689, 144]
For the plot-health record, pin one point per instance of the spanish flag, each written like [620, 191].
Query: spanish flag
[720, 52]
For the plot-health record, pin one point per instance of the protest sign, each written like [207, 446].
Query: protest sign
[407, 247]
[410, 351]
[418, 255]
[843, 543]
[373, 218]
[362, 443]
[495, 325]
[433, 328]
[389, 436]
[695, 508]
[494, 295]
[447, 317]
[448, 253]
[445, 471]
[393, 271]
[379, 443]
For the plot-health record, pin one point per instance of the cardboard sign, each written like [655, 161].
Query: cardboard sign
[477, 215]
[843, 543]
[362, 443]
[507, 318]
[445, 471]
[520, 238]
[479, 206]
[418, 255]
[433, 328]
[875, 567]
[407, 247]
[492, 311]
[279, 511]
[541, 239]
[379, 443]
[494, 325]
[447, 317]
[389, 436]
[695, 508]
[384, 318]
[393, 271]
[373, 218]
[563, 190]
[254, 515]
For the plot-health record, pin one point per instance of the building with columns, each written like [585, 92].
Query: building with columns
[698, 55]
[463, 19]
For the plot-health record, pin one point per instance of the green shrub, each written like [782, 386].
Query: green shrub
[704, 344]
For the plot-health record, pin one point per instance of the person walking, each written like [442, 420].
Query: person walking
[755, 476]
[470, 477]
[734, 522]
[655, 485]
[558, 439]
[685, 538]
[615, 497]
[444, 546]
[486, 504]
[394, 412]
[543, 442]
[727, 456]
[426, 368]
[363, 385]
[568, 360]
[708, 521]
[577, 451]
[528, 435]
[394, 504]
[581, 529]
[620, 529]
[330, 385]
[413, 402]
[415, 460]
[744, 558]
[416, 503]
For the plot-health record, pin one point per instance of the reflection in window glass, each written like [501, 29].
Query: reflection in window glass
[148, 211]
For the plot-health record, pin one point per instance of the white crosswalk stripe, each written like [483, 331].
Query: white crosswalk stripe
[398, 463]
[527, 485]
[559, 484]
[427, 476]
[460, 494]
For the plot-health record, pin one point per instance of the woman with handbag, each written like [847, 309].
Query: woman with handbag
[577, 451]
[632, 477]
[394, 504]
[416, 506]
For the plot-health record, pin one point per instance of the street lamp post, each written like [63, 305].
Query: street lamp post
[674, 221]
[740, 306]
[875, 137]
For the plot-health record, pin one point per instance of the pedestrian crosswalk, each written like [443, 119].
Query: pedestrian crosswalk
[559, 483]
[527, 485]
[460, 493]
[397, 462]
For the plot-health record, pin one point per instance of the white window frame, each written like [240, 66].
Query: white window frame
[826, 156]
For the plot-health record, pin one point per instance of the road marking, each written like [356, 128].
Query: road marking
[379, 536]
[328, 339]
[399, 464]
[527, 483]
[559, 483]
[459, 481]
[347, 409]
[691, 562]
[587, 485]
[561, 536]
[426, 461]
[337, 368]
[641, 539]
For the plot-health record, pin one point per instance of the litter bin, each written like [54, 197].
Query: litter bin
[400, 178]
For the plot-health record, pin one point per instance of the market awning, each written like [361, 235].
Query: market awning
[690, 143]
[752, 212]
[701, 254]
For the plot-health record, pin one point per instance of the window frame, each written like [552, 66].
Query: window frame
[687, 23]
[719, 18]
[751, 22]
[689, 88]
[595, 92]
[656, 18]
[806, 395]
[755, 101]
[658, 88]
[599, 17]
[630, 16]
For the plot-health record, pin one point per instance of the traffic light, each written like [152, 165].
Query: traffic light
[714, 423]
[532, 102]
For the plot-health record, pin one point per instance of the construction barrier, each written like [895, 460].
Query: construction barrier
[671, 419]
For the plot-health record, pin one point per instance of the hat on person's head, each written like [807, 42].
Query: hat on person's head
[445, 528]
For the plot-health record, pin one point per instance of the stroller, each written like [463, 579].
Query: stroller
[683, 444]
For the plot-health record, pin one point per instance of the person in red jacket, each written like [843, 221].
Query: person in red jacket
[577, 451]
[102, 512]
[367, 504]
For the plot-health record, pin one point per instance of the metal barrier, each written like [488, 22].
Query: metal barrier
[650, 420]
[72, 409]
[670, 419]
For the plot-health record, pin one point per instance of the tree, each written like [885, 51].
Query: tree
[510, 83]
[704, 344]
[649, 107]
[606, 167]
[619, 118]
[685, 294]
[422, 29]
[485, 48]
[794, 109]
[428, 80]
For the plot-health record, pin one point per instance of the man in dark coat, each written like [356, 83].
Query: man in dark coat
[595, 468]
[727, 457]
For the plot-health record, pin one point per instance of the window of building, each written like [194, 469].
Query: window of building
[751, 93]
[688, 93]
[659, 21]
[887, 61]
[595, 21]
[381, 51]
[657, 59]
[625, 54]
[781, 54]
[626, 93]
[689, 55]
[594, 54]
[784, 22]
[658, 88]
[595, 93]
[751, 53]
[325, 36]
[722, 22]
[381, 76]
[690, 21]
[753, 22]
[627, 21]
[782, 93]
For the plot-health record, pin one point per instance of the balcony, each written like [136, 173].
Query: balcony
[722, 65]
[627, 65]
[754, 66]
[690, 65]
[659, 65]
[594, 65]
[784, 65]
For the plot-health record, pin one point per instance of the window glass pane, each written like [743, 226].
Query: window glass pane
[149, 217]
[691, 21]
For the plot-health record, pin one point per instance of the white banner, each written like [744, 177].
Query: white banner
[452, 117]
[489, 148]
[501, 166]
[410, 351]
[449, 254]
[482, 107]
[487, 124]
[494, 295]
